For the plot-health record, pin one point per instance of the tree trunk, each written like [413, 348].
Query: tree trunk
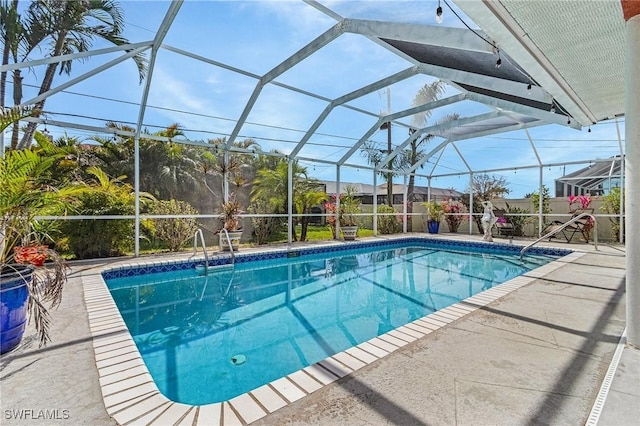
[6, 50]
[17, 99]
[45, 87]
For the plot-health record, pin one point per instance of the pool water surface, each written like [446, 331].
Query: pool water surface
[211, 338]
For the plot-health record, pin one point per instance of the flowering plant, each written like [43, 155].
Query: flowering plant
[452, 209]
[583, 200]
[31, 255]
[349, 208]
[230, 214]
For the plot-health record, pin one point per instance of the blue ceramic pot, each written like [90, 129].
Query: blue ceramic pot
[13, 305]
[433, 226]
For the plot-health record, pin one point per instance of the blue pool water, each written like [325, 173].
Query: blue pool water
[275, 317]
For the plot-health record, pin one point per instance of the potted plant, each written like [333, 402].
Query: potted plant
[28, 283]
[349, 208]
[435, 213]
[230, 217]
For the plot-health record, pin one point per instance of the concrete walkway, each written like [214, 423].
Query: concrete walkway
[536, 356]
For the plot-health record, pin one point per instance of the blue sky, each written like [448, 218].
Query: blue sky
[255, 36]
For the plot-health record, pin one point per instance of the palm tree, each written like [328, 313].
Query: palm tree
[428, 93]
[307, 196]
[374, 156]
[233, 167]
[68, 27]
[271, 185]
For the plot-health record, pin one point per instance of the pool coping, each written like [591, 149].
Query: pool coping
[130, 395]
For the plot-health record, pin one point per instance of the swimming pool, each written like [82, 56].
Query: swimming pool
[211, 338]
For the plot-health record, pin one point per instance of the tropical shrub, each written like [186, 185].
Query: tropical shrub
[388, 224]
[611, 205]
[263, 227]
[546, 202]
[92, 238]
[173, 232]
[517, 221]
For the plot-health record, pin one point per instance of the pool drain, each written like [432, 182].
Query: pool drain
[238, 359]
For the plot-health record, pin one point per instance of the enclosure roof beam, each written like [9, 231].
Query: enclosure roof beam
[86, 75]
[533, 147]
[515, 88]
[426, 157]
[402, 75]
[456, 38]
[506, 169]
[548, 116]
[464, 160]
[513, 127]
[322, 8]
[440, 127]
[316, 44]
[169, 17]
[400, 114]
[72, 56]
[441, 146]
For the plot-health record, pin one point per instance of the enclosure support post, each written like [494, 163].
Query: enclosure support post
[136, 189]
[622, 184]
[375, 203]
[471, 203]
[632, 168]
[225, 177]
[404, 206]
[289, 201]
[337, 202]
[540, 203]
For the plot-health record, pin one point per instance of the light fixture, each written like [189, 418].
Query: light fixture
[589, 131]
[439, 13]
[499, 61]
[529, 88]
[568, 121]
[553, 108]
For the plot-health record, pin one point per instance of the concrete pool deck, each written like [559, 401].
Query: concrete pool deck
[537, 355]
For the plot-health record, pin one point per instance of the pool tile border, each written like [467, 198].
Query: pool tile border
[131, 397]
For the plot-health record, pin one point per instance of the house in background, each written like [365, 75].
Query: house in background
[365, 192]
[598, 178]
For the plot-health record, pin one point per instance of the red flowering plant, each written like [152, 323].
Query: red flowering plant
[330, 209]
[453, 216]
[581, 202]
[584, 201]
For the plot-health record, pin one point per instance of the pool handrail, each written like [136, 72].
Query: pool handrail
[563, 226]
[233, 255]
[204, 248]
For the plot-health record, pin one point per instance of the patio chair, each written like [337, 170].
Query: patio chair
[581, 226]
[503, 225]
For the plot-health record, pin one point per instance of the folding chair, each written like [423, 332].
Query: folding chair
[581, 226]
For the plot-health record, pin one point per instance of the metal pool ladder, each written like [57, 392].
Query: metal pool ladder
[564, 225]
[204, 248]
[233, 262]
